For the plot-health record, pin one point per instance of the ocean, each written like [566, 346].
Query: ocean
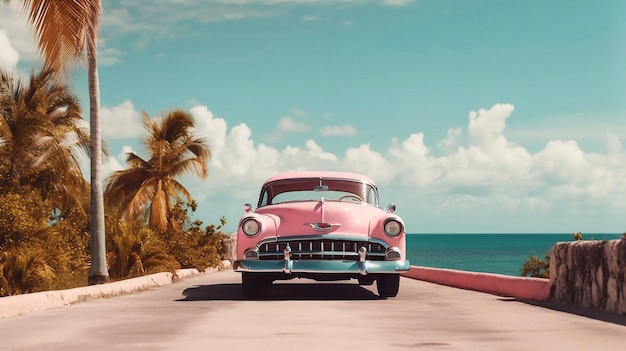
[489, 253]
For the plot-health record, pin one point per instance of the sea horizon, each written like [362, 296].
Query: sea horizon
[499, 253]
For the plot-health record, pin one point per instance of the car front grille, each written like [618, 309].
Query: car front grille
[321, 250]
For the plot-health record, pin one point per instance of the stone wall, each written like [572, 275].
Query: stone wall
[590, 274]
[229, 247]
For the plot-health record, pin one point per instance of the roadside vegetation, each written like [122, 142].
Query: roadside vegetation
[540, 268]
[45, 198]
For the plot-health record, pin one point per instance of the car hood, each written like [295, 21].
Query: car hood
[321, 217]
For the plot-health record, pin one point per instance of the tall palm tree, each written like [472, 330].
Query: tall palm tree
[42, 133]
[148, 187]
[64, 30]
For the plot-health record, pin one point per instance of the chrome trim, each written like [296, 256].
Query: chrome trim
[362, 261]
[254, 252]
[276, 239]
[316, 226]
[395, 251]
[322, 266]
[321, 247]
[287, 262]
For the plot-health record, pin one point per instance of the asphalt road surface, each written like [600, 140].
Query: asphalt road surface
[209, 312]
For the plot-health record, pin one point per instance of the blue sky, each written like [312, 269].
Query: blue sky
[472, 116]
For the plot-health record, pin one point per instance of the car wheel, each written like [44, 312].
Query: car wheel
[388, 285]
[253, 285]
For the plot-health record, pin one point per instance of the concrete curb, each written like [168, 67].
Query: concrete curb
[42, 301]
[524, 288]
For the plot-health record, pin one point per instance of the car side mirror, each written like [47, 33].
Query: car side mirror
[391, 208]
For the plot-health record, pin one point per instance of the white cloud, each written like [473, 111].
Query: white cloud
[312, 19]
[15, 35]
[108, 56]
[9, 56]
[451, 142]
[345, 130]
[121, 19]
[562, 161]
[396, 2]
[121, 122]
[111, 164]
[486, 181]
[136, 18]
[287, 124]
[486, 126]
[613, 144]
[489, 158]
[123, 155]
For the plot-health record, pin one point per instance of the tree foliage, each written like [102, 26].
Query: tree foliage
[195, 247]
[45, 237]
[43, 137]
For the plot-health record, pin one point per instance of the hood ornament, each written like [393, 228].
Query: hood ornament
[324, 226]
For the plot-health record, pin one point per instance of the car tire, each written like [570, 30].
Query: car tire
[388, 285]
[253, 285]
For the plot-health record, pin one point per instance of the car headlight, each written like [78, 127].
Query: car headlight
[251, 227]
[393, 228]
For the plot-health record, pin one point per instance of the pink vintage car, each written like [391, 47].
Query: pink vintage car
[321, 226]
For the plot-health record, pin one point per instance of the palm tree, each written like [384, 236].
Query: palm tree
[148, 187]
[64, 29]
[42, 134]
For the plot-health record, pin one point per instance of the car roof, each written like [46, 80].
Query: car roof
[320, 174]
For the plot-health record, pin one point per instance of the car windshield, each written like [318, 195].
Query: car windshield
[315, 189]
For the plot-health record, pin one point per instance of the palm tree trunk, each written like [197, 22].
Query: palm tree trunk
[98, 273]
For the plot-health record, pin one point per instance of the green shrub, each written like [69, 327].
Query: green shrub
[28, 268]
[192, 246]
[195, 248]
[536, 267]
[134, 251]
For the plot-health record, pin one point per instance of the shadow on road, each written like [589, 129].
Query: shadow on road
[232, 292]
[579, 311]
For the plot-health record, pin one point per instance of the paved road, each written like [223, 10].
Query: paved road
[208, 312]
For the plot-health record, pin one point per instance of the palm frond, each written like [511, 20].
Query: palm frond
[62, 28]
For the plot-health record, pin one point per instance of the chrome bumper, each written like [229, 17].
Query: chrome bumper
[321, 266]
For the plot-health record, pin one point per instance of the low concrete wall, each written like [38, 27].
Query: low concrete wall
[590, 274]
[42, 301]
[518, 287]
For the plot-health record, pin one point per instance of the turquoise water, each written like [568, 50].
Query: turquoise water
[490, 253]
